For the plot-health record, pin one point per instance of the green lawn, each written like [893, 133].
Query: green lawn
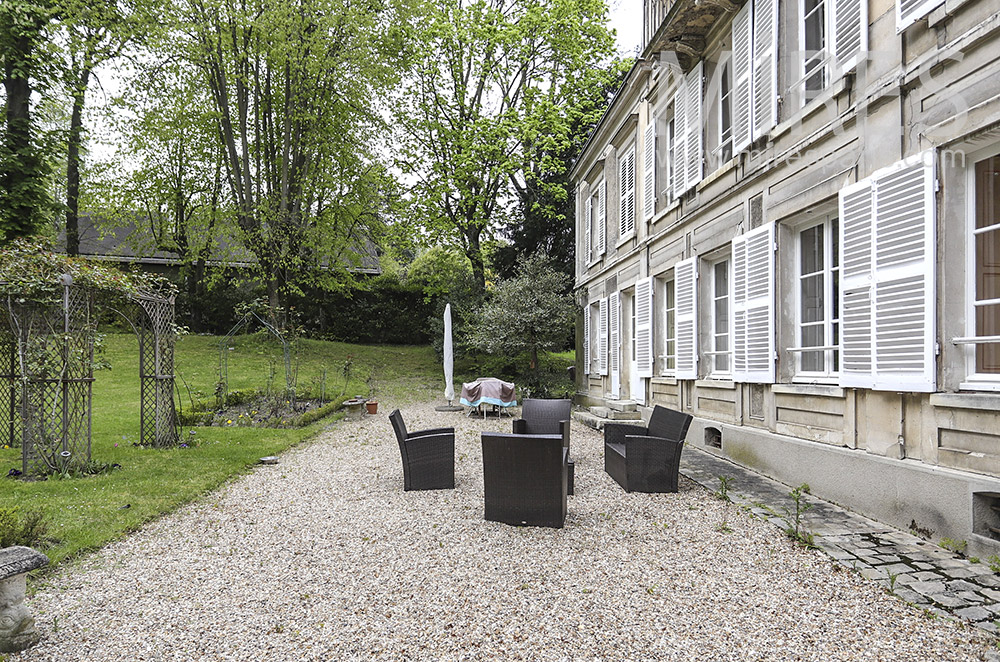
[88, 512]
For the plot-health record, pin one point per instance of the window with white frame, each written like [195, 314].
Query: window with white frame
[720, 289]
[597, 227]
[594, 336]
[724, 151]
[818, 305]
[668, 360]
[815, 34]
[984, 270]
[668, 163]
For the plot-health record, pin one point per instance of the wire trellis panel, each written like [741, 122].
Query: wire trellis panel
[10, 390]
[158, 416]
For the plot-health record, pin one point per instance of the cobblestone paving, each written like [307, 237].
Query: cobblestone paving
[914, 569]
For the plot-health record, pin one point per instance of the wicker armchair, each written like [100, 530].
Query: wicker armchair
[525, 478]
[547, 417]
[646, 458]
[428, 456]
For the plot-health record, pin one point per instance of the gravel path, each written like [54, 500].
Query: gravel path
[324, 557]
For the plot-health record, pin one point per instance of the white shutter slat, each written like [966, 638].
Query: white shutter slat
[614, 343]
[856, 218]
[649, 171]
[686, 318]
[586, 339]
[909, 12]
[904, 297]
[680, 139]
[850, 33]
[693, 155]
[753, 306]
[602, 215]
[644, 327]
[742, 77]
[602, 337]
[765, 66]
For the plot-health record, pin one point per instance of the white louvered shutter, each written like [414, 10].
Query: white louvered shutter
[904, 293]
[626, 181]
[649, 171]
[693, 155]
[602, 216]
[588, 245]
[742, 96]
[644, 327]
[686, 318]
[857, 220]
[909, 12]
[602, 337]
[586, 339]
[753, 306]
[680, 139]
[614, 343]
[765, 66]
[850, 33]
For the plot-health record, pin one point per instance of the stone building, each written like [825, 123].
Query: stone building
[788, 225]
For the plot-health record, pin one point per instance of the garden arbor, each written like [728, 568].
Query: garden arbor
[47, 344]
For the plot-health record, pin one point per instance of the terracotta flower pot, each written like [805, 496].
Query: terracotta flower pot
[372, 406]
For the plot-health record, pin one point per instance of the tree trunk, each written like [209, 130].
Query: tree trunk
[474, 252]
[73, 166]
[23, 197]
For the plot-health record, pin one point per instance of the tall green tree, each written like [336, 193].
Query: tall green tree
[545, 195]
[24, 200]
[487, 90]
[291, 88]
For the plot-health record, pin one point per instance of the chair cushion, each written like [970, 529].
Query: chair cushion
[615, 448]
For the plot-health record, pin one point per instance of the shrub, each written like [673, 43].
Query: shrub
[25, 529]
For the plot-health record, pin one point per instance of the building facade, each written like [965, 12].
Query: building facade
[788, 225]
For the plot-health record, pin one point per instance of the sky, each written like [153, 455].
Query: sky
[626, 19]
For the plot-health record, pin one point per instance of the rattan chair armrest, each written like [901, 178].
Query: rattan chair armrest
[520, 426]
[431, 432]
[614, 433]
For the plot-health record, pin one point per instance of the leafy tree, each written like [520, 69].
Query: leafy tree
[290, 88]
[545, 194]
[487, 92]
[526, 314]
[24, 200]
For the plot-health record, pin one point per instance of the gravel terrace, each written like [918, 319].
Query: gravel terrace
[324, 557]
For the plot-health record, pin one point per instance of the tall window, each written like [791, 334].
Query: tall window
[669, 356]
[596, 220]
[725, 112]
[985, 276]
[818, 300]
[815, 36]
[668, 180]
[720, 317]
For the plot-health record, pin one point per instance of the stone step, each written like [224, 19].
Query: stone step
[622, 405]
[588, 419]
[607, 412]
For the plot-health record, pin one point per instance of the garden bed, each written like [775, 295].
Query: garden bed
[259, 410]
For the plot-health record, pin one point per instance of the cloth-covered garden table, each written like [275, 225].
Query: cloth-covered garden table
[488, 391]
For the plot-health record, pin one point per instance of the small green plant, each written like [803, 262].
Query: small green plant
[793, 517]
[893, 576]
[723, 492]
[956, 546]
[974, 559]
[993, 561]
[16, 528]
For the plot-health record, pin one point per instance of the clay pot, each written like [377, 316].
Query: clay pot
[372, 406]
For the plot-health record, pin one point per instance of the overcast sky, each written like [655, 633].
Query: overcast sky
[626, 19]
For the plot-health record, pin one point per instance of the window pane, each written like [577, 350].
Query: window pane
[811, 242]
[722, 278]
[987, 251]
[988, 324]
[988, 265]
[812, 298]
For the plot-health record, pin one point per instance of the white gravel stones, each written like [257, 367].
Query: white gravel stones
[324, 557]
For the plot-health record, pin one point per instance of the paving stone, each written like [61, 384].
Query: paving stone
[953, 563]
[910, 596]
[960, 573]
[974, 614]
[950, 601]
[838, 553]
[888, 558]
[928, 588]
[990, 593]
[991, 580]
[875, 573]
[989, 627]
[928, 576]
[897, 569]
[921, 565]
[961, 585]
[971, 596]
[906, 579]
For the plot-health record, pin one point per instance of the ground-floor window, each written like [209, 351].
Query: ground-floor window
[818, 293]
[720, 317]
[985, 274]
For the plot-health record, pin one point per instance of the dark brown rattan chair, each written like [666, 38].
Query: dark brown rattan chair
[646, 458]
[428, 456]
[549, 416]
[525, 478]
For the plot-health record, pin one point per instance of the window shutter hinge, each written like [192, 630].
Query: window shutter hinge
[937, 185]
[937, 349]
